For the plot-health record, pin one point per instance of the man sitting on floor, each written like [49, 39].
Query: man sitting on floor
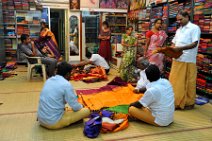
[56, 92]
[156, 107]
[96, 60]
[29, 49]
[142, 64]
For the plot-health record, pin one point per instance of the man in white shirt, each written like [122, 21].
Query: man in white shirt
[156, 107]
[58, 91]
[142, 64]
[96, 60]
[183, 72]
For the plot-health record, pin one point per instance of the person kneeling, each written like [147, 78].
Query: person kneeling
[156, 107]
[96, 60]
[56, 92]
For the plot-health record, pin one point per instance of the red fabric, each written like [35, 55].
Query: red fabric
[108, 127]
[105, 50]
[149, 34]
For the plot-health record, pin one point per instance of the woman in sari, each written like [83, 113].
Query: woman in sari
[47, 38]
[155, 39]
[129, 43]
[105, 46]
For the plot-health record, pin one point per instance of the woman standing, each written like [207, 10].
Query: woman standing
[105, 46]
[155, 39]
[129, 43]
[47, 38]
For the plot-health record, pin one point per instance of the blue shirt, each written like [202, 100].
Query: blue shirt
[57, 91]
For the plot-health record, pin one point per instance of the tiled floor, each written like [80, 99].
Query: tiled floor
[18, 117]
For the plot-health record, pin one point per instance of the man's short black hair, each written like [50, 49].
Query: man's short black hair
[184, 13]
[152, 73]
[63, 68]
[88, 55]
[24, 37]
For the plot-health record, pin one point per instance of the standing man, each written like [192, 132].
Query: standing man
[183, 71]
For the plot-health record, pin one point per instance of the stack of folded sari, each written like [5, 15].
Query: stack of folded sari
[205, 45]
[202, 15]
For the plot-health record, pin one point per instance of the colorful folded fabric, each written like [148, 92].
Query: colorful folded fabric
[119, 109]
[117, 123]
[11, 65]
[118, 96]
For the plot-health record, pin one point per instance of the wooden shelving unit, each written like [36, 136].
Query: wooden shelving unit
[16, 22]
[91, 28]
[200, 14]
[118, 25]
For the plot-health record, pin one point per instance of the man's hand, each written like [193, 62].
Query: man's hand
[177, 49]
[136, 91]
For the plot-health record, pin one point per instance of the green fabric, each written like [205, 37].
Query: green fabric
[127, 67]
[119, 109]
[130, 40]
[4, 70]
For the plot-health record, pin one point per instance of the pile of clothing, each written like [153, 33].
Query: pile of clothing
[7, 70]
[205, 45]
[204, 63]
[89, 75]
[157, 12]
[105, 121]
[202, 15]
[204, 79]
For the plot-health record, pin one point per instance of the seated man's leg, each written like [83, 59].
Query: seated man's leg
[69, 117]
[51, 64]
[143, 114]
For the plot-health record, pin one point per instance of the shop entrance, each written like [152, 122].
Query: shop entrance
[57, 18]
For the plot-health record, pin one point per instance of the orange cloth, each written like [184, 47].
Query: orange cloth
[118, 96]
[95, 74]
[46, 32]
[168, 51]
[111, 127]
[124, 124]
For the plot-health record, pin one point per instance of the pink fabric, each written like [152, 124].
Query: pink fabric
[156, 41]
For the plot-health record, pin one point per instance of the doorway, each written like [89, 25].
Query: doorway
[57, 22]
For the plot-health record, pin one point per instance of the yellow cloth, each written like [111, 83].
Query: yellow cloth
[68, 118]
[183, 79]
[119, 96]
[46, 32]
